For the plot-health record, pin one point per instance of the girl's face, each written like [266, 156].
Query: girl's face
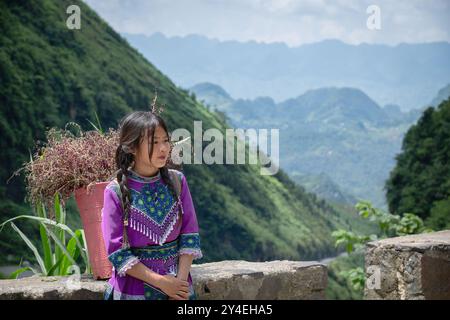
[161, 148]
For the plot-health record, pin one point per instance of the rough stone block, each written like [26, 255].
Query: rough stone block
[411, 267]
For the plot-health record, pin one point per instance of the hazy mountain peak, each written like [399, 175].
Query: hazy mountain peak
[209, 88]
[442, 95]
[335, 103]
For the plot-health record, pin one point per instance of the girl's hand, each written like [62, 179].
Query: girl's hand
[175, 288]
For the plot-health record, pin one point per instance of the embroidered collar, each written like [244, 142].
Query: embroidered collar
[137, 177]
[154, 211]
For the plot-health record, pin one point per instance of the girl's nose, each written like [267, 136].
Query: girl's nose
[163, 148]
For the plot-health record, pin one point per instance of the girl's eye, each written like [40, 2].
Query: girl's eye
[167, 140]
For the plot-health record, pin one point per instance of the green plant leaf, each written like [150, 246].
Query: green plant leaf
[32, 247]
[15, 274]
[73, 251]
[83, 248]
[52, 270]
[60, 245]
[87, 261]
[93, 125]
[45, 241]
[97, 127]
[59, 217]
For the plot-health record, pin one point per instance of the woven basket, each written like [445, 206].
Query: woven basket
[90, 205]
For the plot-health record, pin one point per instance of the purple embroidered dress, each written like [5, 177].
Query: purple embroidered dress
[155, 235]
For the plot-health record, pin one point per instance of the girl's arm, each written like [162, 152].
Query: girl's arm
[142, 272]
[175, 288]
[184, 266]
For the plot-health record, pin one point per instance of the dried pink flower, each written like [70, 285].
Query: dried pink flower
[69, 162]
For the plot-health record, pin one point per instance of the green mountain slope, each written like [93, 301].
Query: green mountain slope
[323, 187]
[51, 75]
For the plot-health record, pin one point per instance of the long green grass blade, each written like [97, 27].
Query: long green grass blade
[72, 248]
[52, 270]
[82, 247]
[32, 247]
[98, 122]
[15, 274]
[97, 127]
[59, 219]
[88, 263]
[93, 125]
[40, 210]
[60, 245]
[45, 241]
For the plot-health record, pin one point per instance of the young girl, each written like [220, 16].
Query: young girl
[149, 222]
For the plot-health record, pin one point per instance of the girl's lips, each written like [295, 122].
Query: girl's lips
[162, 157]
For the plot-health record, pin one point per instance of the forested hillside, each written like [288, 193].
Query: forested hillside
[420, 182]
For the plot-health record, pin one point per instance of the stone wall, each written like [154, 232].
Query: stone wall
[234, 279]
[409, 267]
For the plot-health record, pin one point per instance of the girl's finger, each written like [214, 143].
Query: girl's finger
[183, 296]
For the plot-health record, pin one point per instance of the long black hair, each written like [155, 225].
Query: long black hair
[132, 130]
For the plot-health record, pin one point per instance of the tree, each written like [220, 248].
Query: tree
[421, 178]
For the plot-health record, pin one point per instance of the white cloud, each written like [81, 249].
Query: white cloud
[291, 21]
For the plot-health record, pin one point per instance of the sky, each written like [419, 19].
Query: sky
[293, 22]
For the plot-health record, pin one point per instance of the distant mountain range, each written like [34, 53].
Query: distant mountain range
[407, 75]
[336, 142]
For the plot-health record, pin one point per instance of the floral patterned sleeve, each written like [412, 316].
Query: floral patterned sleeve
[189, 234]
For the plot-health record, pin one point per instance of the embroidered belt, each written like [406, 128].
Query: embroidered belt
[155, 252]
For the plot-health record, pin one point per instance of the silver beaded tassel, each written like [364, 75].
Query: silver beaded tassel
[142, 228]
